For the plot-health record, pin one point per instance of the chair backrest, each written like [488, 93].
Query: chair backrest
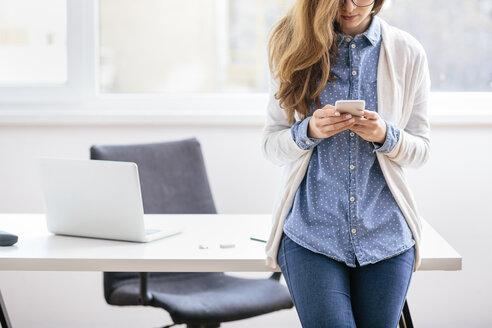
[173, 180]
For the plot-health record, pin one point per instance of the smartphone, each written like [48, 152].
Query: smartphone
[354, 107]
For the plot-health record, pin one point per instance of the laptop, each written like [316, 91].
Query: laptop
[97, 199]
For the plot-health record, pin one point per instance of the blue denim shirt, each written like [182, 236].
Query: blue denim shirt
[343, 207]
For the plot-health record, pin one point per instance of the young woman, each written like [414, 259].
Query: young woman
[346, 230]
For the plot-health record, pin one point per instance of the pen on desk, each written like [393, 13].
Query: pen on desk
[256, 239]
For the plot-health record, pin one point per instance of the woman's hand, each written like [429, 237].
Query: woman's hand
[327, 122]
[370, 127]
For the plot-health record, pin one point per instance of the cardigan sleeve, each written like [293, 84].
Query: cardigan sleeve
[413, 146]
[277, 143]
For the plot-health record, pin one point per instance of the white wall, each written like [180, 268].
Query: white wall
[453, 191]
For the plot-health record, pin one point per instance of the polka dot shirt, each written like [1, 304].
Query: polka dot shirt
[343, 207]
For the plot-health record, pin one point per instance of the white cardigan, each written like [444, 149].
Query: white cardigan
[403, 87]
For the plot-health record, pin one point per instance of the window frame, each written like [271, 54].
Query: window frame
[79, 100]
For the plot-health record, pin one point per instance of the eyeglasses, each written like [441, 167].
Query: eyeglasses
[357, 3]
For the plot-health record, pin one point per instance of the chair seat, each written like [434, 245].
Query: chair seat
[207, 297]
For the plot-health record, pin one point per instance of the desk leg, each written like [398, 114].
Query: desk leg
[405, 319]
[4, 317]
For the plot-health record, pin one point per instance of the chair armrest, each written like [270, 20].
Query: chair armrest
[145, 297]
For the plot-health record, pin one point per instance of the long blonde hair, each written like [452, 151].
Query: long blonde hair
[301, 48]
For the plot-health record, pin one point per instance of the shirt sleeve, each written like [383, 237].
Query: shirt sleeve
[392, 136]
[300, 137]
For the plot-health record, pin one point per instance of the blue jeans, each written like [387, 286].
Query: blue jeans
[327, 293]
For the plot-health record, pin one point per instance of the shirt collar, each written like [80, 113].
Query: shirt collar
[372, 34]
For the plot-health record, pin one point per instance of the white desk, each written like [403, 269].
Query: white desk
[39, 250]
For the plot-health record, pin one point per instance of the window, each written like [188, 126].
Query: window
[457, 36]
[46, 50]
[193, 46]
[205, 55]
[33, 42]
[219, 46]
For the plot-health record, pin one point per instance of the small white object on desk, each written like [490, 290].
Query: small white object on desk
[227, 245]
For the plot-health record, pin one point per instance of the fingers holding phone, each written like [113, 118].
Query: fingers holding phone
[370, 127]
[327, 121]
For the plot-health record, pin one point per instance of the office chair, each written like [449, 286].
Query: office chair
[174, 181]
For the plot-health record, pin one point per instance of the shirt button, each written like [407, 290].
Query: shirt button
[352, 199]
[352, 134]
[353, 45]
[308, 142]
[354, 231]
[354, 73]
[352, 167]
[348, 40]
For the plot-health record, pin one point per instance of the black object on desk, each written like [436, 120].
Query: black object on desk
[7, 239]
